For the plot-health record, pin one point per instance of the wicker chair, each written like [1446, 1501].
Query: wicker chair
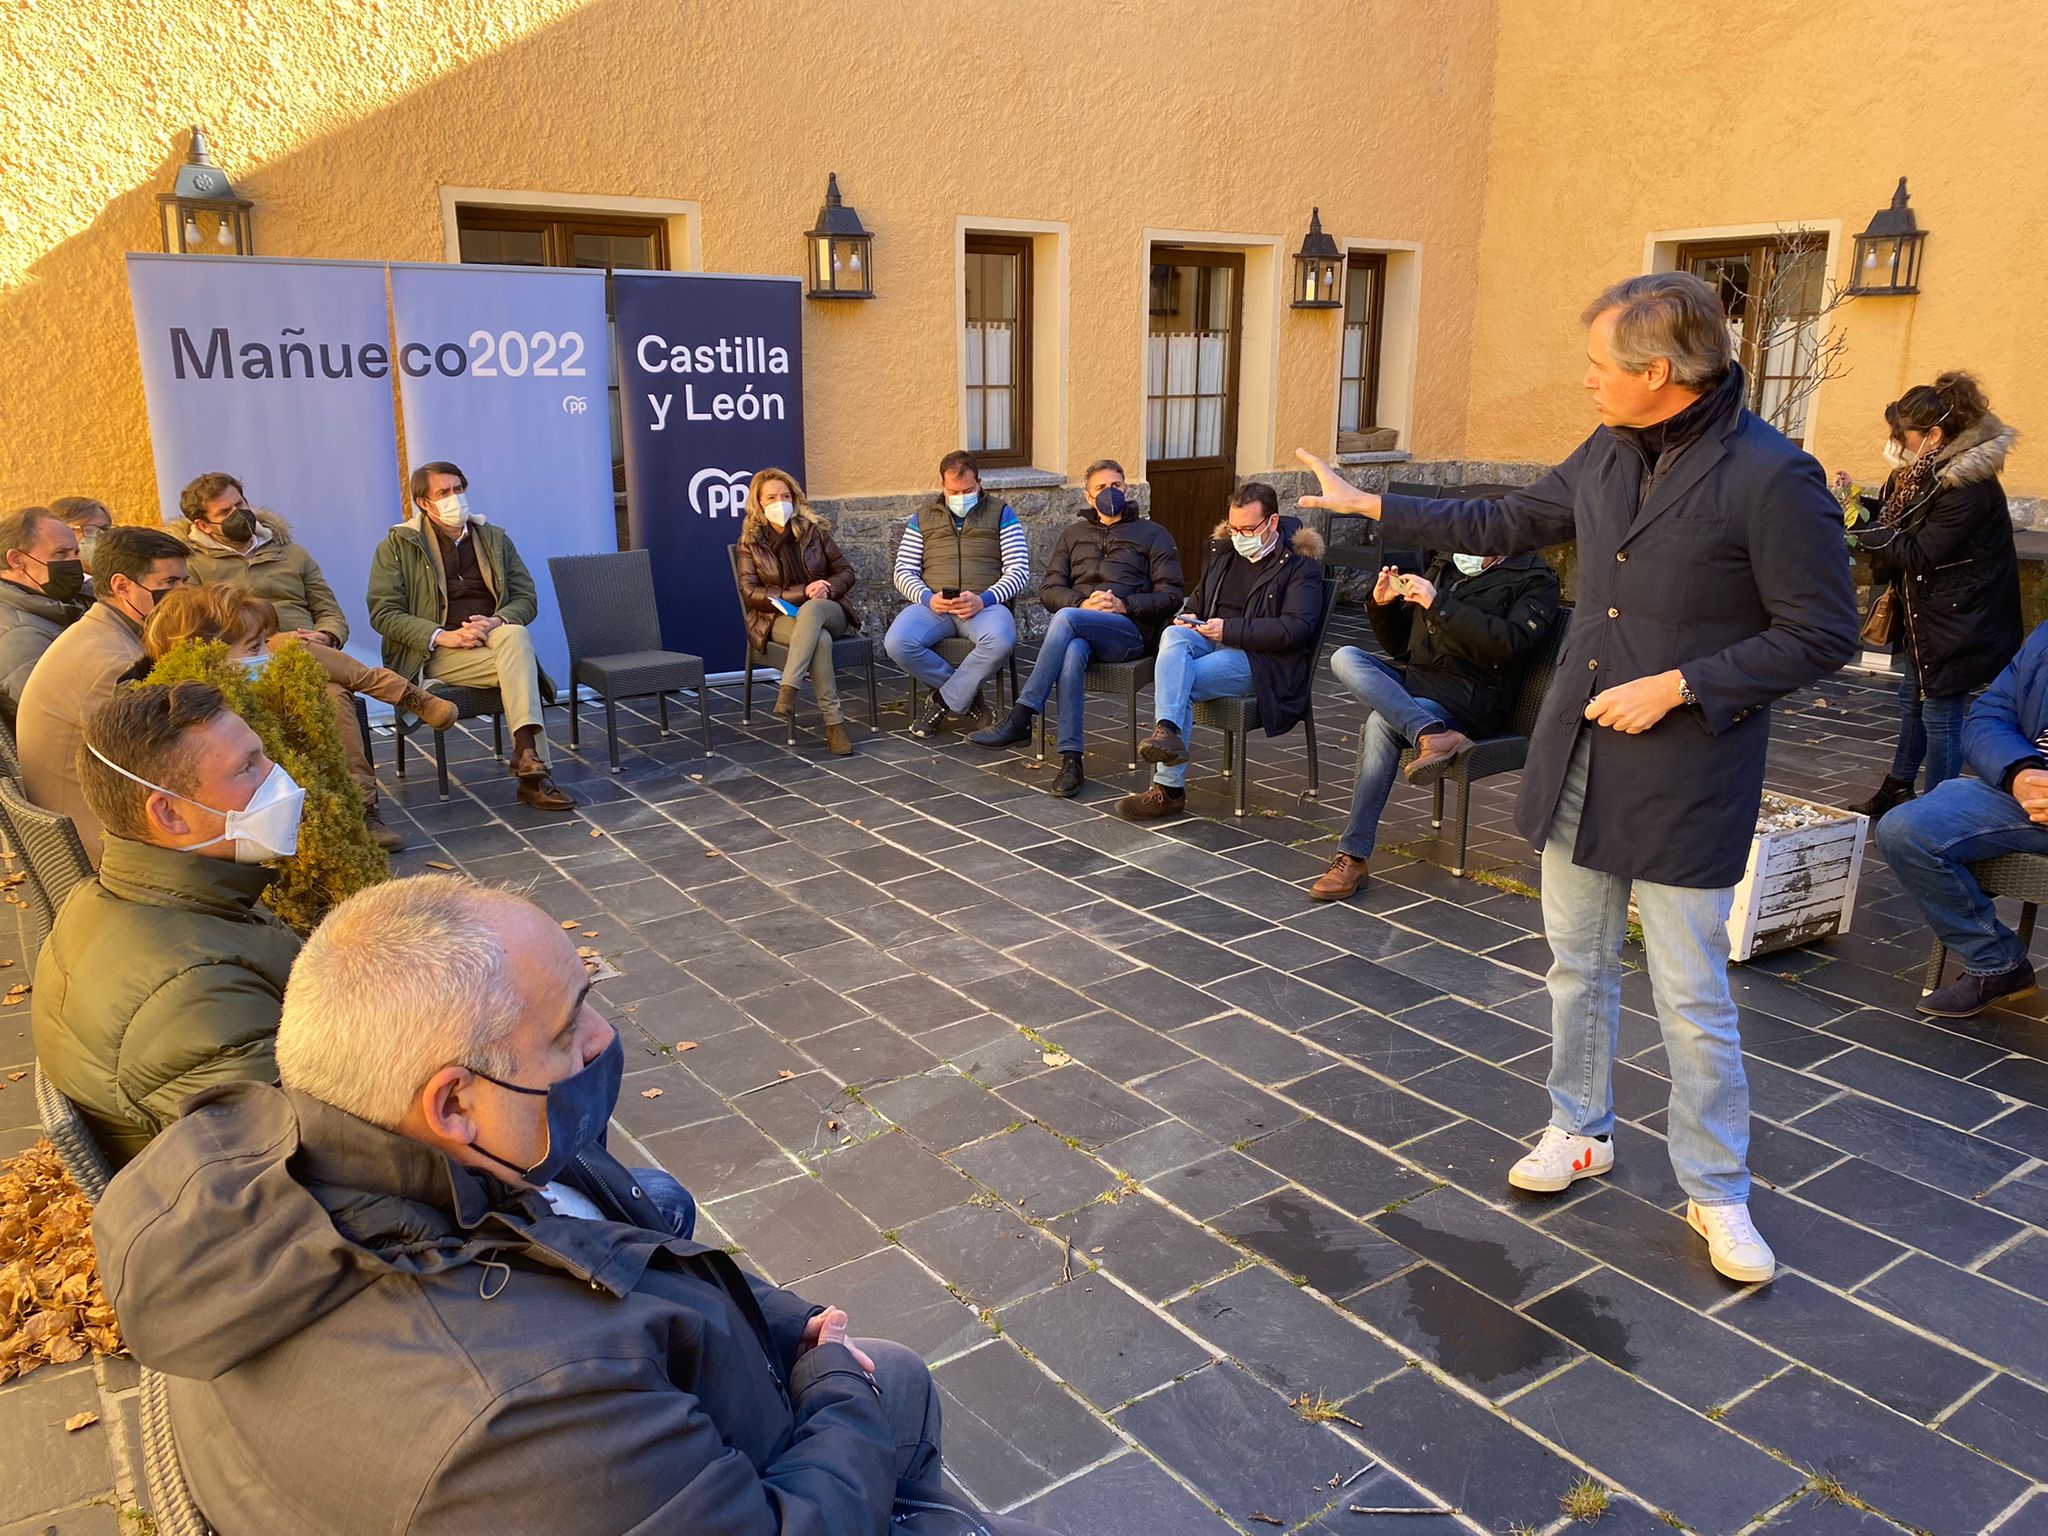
[56, 860]
[614, 629]
[10, 754]
[848, 652]
[1506, 752]
[1238, 717]
[1353, 542]
[76, 1145]
[1123, 679]
[2022, 875]
[171, 1504]
[469, 703]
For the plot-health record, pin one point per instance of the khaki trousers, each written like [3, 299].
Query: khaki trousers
[347, 676]
[505, 661]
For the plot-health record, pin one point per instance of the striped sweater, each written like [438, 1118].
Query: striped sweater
[1009, 585]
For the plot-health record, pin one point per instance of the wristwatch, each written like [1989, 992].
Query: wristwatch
[1685, 693]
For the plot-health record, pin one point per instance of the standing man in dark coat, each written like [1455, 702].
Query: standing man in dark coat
[1712, 581]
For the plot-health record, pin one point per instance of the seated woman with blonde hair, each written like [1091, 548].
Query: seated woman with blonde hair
[794, 583]
[250, 628]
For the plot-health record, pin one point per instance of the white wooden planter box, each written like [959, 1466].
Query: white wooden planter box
[1800, 883]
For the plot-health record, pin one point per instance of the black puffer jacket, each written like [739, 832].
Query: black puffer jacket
[1278, 629]
[1953, 562]
[1464, 651]
[1133, 557]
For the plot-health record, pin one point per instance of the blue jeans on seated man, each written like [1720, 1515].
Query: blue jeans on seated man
[1929, 842]
[1192, 667]
[1074, 638]
[1396, 721]
[916, 630]
[1685, 938]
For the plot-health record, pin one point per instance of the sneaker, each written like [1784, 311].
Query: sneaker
[977, 716]
[1165, 745]
[1013, 730]
[1968, 995]
[1560, 1160]
[932, 716]
[1071, 778]
[1156, 802]
[1732, 1242]
[1344, 876]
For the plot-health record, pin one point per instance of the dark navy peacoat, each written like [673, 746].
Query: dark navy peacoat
[1733, 570]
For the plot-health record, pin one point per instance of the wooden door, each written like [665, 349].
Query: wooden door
[1196, 299]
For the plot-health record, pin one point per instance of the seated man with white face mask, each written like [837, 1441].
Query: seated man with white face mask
[452, 599]
[165, 975]
[1455, 639]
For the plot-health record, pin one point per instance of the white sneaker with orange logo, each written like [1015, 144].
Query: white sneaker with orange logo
[1560, 1160]
[1734, 1245]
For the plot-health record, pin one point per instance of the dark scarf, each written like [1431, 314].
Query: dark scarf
[1676, 432]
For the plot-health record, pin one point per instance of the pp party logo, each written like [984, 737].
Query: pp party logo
[714, 491]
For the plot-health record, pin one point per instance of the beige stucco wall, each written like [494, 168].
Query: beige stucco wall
[345, 119]
[1614, 121]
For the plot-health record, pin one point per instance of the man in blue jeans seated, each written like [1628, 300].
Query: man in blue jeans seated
[962, 559]
[1249, 627]
[1930, 842]
[1458, 635]
[1113, 584]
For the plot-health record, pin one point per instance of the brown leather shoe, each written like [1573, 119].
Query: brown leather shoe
[1165, 745]
[785, 700]
[1344, 876]
[544, 794]
[837, 742]
[433, 710]
[384, 836]
[527, 766]
[1156, 802]
[1434, 754]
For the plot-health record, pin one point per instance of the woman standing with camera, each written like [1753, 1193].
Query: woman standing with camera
[1942, 546]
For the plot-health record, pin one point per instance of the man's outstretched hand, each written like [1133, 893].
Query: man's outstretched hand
[829, 1327]
[1337, 493]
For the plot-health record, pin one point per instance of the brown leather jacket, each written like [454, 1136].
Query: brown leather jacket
[782, 567]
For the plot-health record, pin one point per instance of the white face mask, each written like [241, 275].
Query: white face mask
[780, 512]
[266, 828]
[1251, 545]
[1469, 565]
[253, 665]
[86, 541]
[1895, 453]
[451, 511]
[960, 503]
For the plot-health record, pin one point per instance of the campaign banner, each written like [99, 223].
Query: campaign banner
[710, 390]
[501, 371]
[278, 373]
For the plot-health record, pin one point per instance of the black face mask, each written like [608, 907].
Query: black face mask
[63, 579]
[238, 527]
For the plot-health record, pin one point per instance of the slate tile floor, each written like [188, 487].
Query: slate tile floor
[1139, 1147]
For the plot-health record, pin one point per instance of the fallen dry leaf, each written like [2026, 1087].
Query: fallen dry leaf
[437, 864]
[79, 1421]
[597, 831]
[1055, 1058]
[590, 933]
[570, 922]
[710, 853]
[15, 1077]
[1096, 1249]
[686, 1045]
[585, 952]
[650, 1093]
[4, 964]
[785, 1072]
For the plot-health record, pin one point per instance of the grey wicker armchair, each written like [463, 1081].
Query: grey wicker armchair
[56, 860]
[2024, 875]
[77, 1148]
[1238, 717]
[10, 754]
[469, 703]
[171, 1504]
[848, 652]
[614, 629]
[1507, 752]
[1124, 680]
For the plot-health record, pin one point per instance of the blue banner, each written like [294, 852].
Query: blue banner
[501, 370]
[278, 373]
[710, 390]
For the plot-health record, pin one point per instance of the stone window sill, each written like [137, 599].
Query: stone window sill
[1391, 456]
[1020, 479]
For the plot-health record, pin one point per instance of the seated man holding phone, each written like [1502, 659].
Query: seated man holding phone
[1248, 628]
[1456, 637]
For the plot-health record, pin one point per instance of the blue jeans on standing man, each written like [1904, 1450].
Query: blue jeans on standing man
[1075, 637]
[1929, 842]
[1396, 720]
[1930, 730]
[916, 630]
[1685, 937]
[1192, 667]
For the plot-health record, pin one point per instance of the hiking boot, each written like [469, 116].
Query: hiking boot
[1968, 995]
[544, 794]
[932, 716]
[1890, 794]
[977, 716]
[837, 742]
[1165, 746]
[1013, 730]
[1156, 802]
[1071, 778]
[1732, 1241]
[785, 701]
[1344, 876]
[386, 837]
[1560, 1160]
[434, 711]
[526, 765]
[1435, 752]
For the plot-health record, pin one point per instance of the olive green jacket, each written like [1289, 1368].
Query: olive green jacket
[161, 977]
[276, 570]
[409, 591]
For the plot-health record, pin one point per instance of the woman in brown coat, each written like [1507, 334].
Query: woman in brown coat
[795, 582]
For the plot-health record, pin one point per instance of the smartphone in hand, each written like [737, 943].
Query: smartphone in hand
[949, 593]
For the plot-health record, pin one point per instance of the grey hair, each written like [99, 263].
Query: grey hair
[1099, 466]
[402, 979]
[1672, 315]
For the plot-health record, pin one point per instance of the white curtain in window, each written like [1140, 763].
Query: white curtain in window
[996, 434]
[1000, 335]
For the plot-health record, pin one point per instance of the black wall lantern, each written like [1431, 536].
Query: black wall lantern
[201, 214]
[1888, 252]
[841, 251]
[1318, 269]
